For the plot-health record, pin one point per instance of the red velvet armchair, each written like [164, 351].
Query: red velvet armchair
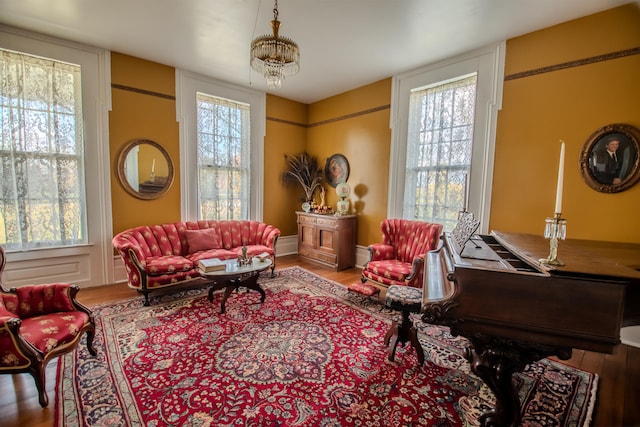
[38, 323]
[399, 259]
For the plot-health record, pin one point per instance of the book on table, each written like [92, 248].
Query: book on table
[211, 264]
[263, 256]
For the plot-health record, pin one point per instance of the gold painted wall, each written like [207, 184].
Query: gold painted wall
[356, 125]
[538, 111]
[568, 104]
[286, 134]
[143, 107]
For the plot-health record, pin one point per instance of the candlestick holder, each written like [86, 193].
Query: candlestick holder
[555, 228]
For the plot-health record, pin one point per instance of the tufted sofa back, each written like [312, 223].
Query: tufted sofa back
[233, 234]
[410, 238]
[170, 239]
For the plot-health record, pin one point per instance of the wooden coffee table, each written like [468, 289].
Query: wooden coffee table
[234, 277]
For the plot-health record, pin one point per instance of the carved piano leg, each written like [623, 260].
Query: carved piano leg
[495, 360]
[496, 372]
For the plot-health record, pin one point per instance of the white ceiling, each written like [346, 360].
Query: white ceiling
[344, 44]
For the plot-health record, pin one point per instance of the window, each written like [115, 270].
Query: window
[42, 194]
[223, 158]
[222, 128]
[439, 144]
[443, 129]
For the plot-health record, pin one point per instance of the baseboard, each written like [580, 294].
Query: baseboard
[287, 245]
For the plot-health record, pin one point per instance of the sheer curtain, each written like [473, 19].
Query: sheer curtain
[223, 158]
[42, 194]
[439, 149]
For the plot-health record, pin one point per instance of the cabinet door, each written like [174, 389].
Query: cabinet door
[327, 240]
[306, 235]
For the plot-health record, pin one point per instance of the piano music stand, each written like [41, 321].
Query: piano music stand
[464, 229]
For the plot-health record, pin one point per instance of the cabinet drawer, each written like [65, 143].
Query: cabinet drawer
[312, 254]
[327, 222]
[306, 219]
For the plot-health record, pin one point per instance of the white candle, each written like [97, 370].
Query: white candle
[153, 165]
[560, 180]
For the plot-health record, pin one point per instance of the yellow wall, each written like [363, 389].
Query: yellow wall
[143, 107]
[286, 135]
[143, 97]
[566, 104]
[356, 125]
[538, 111]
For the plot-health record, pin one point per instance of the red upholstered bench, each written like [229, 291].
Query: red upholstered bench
[363, 288]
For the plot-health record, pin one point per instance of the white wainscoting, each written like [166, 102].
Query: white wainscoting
[71, 265]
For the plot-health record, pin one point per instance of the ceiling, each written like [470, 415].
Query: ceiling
[344, 44]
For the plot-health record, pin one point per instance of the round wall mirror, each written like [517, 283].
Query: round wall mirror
[145, 169]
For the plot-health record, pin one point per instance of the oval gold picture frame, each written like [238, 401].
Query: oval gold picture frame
[605, 171]
[336, 170]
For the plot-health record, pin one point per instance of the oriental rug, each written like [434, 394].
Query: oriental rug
[311, 355]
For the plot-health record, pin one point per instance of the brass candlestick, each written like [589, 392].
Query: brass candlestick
[555, 228]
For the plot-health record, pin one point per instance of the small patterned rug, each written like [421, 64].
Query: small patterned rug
[311, 355]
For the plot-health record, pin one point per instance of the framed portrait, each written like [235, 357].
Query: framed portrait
[609, 158]
[336, 170]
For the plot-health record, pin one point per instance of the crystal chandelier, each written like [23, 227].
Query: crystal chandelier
[273, 56]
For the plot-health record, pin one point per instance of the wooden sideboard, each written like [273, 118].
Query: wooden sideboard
[327, 240]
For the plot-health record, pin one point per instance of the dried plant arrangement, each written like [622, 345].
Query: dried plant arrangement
[303, 169]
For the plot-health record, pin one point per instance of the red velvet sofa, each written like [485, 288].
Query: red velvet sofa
[400, 258]
[159, 256]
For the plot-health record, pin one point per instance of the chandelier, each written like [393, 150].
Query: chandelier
[273, 56]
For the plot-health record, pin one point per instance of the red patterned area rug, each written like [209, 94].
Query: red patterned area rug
[311, 355]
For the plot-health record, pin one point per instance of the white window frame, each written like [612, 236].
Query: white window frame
[91, 264]
[489, 64]
[187, 85]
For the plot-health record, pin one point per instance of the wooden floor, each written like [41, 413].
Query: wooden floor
[618, 402]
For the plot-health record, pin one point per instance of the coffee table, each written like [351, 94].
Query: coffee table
[235, 276]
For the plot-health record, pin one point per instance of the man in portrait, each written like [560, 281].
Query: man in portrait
[608, 162]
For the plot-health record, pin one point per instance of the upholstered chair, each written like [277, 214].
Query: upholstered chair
[400, 258]
[38, 323]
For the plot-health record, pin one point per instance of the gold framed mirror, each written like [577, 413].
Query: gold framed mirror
[145, 169]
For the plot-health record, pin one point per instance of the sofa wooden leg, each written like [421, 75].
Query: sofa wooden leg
[90, 335]
[37, 370]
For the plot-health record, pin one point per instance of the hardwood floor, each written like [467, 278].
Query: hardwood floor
[618, 388]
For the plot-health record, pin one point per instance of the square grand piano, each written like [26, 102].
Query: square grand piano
[514, 310]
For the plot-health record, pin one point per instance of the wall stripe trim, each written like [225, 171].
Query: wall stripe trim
[286, 122]
[576, 63]
[350, 116]
[142, 91]
[335, 119]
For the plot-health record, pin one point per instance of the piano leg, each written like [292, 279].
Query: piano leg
[495, 360]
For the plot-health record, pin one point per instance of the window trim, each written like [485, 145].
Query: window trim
[88, 264]
[488, 62]
[187, 85]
